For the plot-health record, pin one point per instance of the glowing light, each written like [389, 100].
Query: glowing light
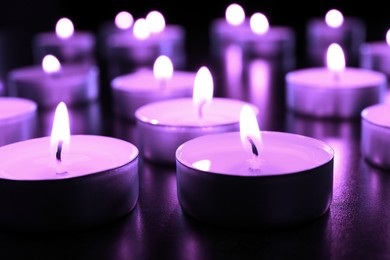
[156, 21]
[50, 64]
[335, 58]
[259, 23]
[163, 68]
[124, 20]
[64, 28]
[141, 29]
[250, 136]
[60, 133]
[235, 14]
[334, 18]
[203, 89]
[203, 165]
[388, 37]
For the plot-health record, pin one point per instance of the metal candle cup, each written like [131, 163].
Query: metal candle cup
[17, 120]
[74, 84]
[316, 91]
[163, 126]
[99, 185]
[375, 135]
[293, 184]
[132, 91]
[376, 56]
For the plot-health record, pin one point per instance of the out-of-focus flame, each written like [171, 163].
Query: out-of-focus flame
[259, 23]
[235, 14]
[156, 21]
[141, 29]
[124, 20]
[50, 64]
[334, 18]
[335, 58]
[64, 28]
[163, 68]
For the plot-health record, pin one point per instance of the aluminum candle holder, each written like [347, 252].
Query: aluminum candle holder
[292, 186]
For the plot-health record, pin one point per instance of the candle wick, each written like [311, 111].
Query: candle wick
[200, 108]
[59, 151]
[254, 148]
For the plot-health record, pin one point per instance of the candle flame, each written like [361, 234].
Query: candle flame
[334, 18]
[203, 89]
[64, 28]
[141, 29]
[388, 37]
[50, 64]
[335, 58]
[163, 68]
[156, 21]
[124, 20]
[250, 136]
[60, 133]
[259, 23]
[235, 14]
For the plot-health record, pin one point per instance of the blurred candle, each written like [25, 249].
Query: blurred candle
[68, 45]
[348, 32]
[335, 91]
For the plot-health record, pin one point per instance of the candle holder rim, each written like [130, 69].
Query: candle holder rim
[31, 111]
[365, 119]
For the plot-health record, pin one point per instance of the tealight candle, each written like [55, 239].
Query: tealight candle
[68, 45]
[66, 182]
[151, 38]
[335, 91]
[17, 120]
[52, 83]
[225, 31]
[269, 42]
[375, 135]
[348, 32]
[376, 55]
[169, 123]
[132, 91]
[243, 182]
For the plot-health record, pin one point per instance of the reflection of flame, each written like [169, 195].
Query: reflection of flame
[50, 64]
[235, 14]
[156, 21]
[250, 135]
[60, 134]
[141, 29]
[124, 20]
[334, 18]
[203, 165]
[335, 58]
[203, 89]
[64, 28]
[163, 68]
[259, 23]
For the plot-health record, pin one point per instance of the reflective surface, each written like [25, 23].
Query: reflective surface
[356, 226]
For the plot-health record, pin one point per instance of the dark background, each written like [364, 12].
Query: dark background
[21, 19]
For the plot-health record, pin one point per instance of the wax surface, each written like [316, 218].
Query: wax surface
[282, 153]
[144, 81]
[15, 107]
[323, 78]
[378, 114]
[182, 112]
[87, 154]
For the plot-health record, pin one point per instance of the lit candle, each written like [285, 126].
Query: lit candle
[132, 91]
[269, 42]
[170, 123]
[53, 82]
[348, 32]
[66, 182]
[151, 38]
[254, 179]
[68, 45]
[335, 91]
[376, 55]
[17, 120]
[375, 135]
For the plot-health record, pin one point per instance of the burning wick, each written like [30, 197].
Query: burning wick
[59, 150]
[254, 148]
[200, 108]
